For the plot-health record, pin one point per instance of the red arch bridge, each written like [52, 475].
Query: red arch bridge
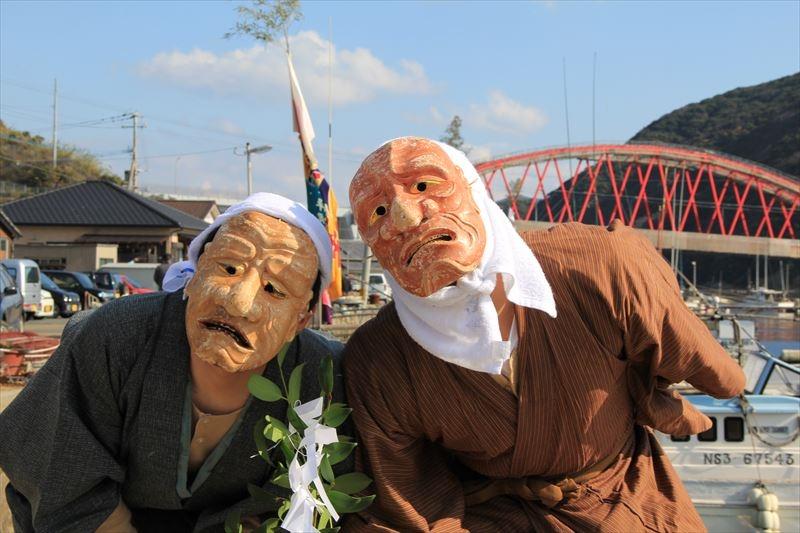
[681, 197]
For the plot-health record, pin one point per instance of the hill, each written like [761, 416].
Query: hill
[25, 164]
[760, 123]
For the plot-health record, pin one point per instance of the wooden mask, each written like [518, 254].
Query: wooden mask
[250, 293]
[414, 208]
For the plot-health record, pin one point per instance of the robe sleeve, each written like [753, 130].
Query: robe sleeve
[664, 342]
[416, 491]
[61, 436]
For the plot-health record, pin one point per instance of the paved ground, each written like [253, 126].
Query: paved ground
[50, 327]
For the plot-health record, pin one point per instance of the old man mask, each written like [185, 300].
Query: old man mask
[251, 291]
[414, 208]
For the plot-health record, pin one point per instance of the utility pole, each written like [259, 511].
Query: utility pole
[365, 272]
[249, 169]
[247, 152]
[55, 122]
[133, 182]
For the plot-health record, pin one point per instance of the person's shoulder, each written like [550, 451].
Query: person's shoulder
[378, 342]
[575, 247]
[315, 345]
[120, 325]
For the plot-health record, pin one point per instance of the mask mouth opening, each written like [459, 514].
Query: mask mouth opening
[435, 238]
[229, 330]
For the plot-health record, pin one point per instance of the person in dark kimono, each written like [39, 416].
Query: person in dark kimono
[515, 381]
[142, 418]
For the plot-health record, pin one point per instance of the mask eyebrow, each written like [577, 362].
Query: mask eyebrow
[420, 166]
[228, 243]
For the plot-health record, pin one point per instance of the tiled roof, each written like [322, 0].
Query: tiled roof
[97, 203]
[197, 208]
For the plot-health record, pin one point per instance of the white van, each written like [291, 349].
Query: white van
[378, 285]
[26, 275]
[142, 273]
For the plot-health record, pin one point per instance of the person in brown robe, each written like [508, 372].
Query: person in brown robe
[562, 438]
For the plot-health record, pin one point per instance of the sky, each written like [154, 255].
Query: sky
[399, 68]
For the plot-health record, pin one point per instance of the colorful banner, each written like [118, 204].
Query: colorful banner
[321, 199]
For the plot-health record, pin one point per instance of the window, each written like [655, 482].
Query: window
[711, 434]
[31, 275]
[679, 438]
[3, 245]
[12, 271]
[65, 281]
[734, 429]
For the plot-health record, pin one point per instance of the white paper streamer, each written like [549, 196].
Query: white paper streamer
[300, 517]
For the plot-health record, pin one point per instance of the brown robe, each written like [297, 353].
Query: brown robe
[591, 382]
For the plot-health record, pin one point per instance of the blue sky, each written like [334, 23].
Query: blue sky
[400, 68]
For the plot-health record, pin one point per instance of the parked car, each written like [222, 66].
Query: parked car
[105, 281]
[47, 309]
[130, 286]
[67, 303]
[378, 285]
[26, 278]
[11, 310]
[80, 283]
[141, 273]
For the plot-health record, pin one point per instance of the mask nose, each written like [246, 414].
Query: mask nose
[406, 213]
[241, 299]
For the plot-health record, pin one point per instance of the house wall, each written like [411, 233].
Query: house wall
[6, 245]
[80, 257]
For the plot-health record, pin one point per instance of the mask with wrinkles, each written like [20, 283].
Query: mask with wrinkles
[250, 293]
[414, 208]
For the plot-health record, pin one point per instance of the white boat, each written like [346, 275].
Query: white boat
[744, 473]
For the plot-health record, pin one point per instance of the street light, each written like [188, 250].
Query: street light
[248, 151]
[694, 273]
[176, 174]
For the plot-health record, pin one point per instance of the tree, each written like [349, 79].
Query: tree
[452, 135]
[266, 20]
[26, 159]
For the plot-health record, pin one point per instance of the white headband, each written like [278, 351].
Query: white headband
[270, 204]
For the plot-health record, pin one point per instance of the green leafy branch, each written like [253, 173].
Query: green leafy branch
[272, 433]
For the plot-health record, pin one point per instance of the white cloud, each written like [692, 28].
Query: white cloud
[502, 114]
[228, 126]
[479, 153]
[261, 72]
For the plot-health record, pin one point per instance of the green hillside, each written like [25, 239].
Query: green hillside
[760, 123]
[25, 160]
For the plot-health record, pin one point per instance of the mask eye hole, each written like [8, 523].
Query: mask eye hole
[228, 269]
[378, 213]
[272, 290]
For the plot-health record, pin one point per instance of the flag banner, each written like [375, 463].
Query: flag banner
[320, 197]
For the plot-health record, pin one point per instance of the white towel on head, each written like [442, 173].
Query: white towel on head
[291, 212]
[459, 323]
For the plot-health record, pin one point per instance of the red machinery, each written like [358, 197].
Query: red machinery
[22, 354]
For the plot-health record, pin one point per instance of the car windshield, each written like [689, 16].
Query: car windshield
[84, 280]
[47, 283]
[103, 280]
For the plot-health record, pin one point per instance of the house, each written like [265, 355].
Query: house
[205, 210]
[83, 226]
[8, 232]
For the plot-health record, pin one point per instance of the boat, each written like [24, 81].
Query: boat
[743, 474]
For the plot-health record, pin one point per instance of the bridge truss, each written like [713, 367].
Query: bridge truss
[650, 186]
